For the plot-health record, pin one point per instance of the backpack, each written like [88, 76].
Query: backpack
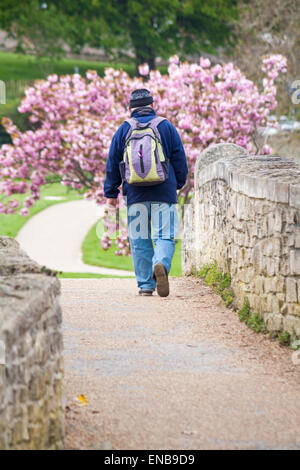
[144, 162]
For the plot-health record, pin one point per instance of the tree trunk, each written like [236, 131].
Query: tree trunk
[147, 56]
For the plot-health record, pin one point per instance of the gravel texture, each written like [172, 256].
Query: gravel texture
[172, 373]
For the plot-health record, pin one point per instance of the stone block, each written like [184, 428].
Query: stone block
[289, 241]
[291, 290]
[278, 221]
[282, 192]
[257, 257]
[275, 304]
[274, 322]
[29, 311]
[250, 224]
[295, 262]
[291, 324]
[284, 309]
[279, 284]
[258, 285]
[240, 208]
[270, 266]
[297, 238]
[271, 246]
[294, 309]
[270, 284]
[295, 196]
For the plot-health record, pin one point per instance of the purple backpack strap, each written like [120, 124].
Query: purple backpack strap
[154, 123]
[133, 123]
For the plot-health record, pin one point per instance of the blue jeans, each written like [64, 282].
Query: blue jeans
[162, 218]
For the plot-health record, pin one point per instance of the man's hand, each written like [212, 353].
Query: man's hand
[112, 201]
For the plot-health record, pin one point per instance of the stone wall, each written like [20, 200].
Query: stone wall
[31, 392]
[245, 215]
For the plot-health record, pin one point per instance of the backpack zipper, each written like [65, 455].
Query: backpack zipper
[141, 159]
[138, 138]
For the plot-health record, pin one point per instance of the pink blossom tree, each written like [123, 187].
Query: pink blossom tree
[75, 118]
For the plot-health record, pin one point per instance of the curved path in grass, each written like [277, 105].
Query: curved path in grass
[54, 236]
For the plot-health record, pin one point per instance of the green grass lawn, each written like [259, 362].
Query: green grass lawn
[93, 254]
[24, 67]
[89, 276]
[23, 70]
[10, 224]
[19, 71]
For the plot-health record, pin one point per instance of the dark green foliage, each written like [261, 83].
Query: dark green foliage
[219, 281]
[244, 313]
[256, 323]
[273, 335]
[18, 72]
[150, 28]
[42, 23]
[253, 320]
[4, 136]
[284, 338]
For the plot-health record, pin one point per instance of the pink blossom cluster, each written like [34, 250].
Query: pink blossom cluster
[106, 241]
[115, 228]
[74, 119]
[122, 242]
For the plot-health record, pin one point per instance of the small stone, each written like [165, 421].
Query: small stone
[284, 309]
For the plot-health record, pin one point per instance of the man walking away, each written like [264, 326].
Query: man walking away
[147, 155]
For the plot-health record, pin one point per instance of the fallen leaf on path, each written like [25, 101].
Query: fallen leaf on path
[82, 400]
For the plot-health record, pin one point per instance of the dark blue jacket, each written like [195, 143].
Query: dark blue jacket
[163, 192]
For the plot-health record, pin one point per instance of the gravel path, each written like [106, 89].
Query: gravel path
[175, 373]
[54, 236]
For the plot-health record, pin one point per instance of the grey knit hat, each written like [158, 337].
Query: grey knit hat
[140, 97]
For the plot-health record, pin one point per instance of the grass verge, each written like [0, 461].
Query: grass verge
[93, 254]
[10, 224]
[257, 324]
[253, 320]
[220, 282]
[89, 276]
[19, 71]
[25, 67]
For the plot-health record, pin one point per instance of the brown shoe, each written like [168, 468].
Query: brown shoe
[145, 292]
[160, 274]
